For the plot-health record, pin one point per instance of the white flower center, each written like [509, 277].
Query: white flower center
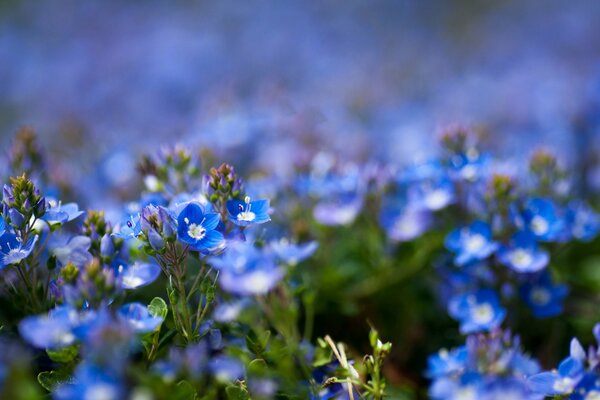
[475, 243]
[539, 225]
[521, 258]
[540, 296]
[247, 216]
[482, 313]
[593, 395]
[564, 385]
[465, 393]
[101, 391]
[437, 199]
[196, 231]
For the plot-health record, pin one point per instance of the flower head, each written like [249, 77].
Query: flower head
[198, 230]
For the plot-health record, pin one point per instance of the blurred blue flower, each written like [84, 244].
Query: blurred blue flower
[523, 254]
[139, 318]
[447, 362]
[338, 210]
[131, 229]
[560, 382]
[74, 249]
[58, 213]
[543, 297]
[245, 270]
[540, 217]
[13, 250]
[50, 331]
[198, 230]
[226, 369]
[244, 213]
[91, 382]
[138, 274]
[471, 243]
[582, 221]
[477, 312]
[404, 223]
[432, 195]
[292, 253]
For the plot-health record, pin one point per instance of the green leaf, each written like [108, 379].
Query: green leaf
[51, 379]
[184, 391]
[64, 355]
[158, 308]
[236, 393]
[257, 344]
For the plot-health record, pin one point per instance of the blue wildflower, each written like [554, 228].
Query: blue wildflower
[137, 316]
[582, 221]
[432, 195]
[245, 270]
[58, 213]
[565, 379]
[540, 217]
[471, 243]
[523, 254]
[447, 362]
[13, 250]
[543, 297]
[226, 369]
[50, 331]
[338, 210]
[404, 223]
[91, 382]
[467, 386]
[293, 253]
[244, 213]
[138, 274]
[131, 229]
[198, 230]
[478, 311]
[73, 249]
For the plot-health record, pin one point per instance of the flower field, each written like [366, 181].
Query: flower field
[309, 200]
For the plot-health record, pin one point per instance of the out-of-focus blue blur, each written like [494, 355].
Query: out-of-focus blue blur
[367, 79]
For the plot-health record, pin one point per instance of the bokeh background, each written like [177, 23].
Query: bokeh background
[267, 81]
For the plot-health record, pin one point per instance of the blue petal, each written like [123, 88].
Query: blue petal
[211, 221]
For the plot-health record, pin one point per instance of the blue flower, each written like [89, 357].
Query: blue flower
[58, 213]
[523, 255]
[13, 250]
[432, 195]
[74, 249]
[244, 213]
[544, 298]
[138, 274]
[404, 223]
[338, 210]
[477, 312]
[471, 243]
[137, 316]
[540, 217]
[447, 362]
[582, 221]
[51, 331]
[197, 229]
[293, 253]
[244, 270]
[91, 382]
[226, 369]
[466, 387]
[131, 229]
[560, 382]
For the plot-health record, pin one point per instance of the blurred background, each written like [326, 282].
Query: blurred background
[102, 82]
